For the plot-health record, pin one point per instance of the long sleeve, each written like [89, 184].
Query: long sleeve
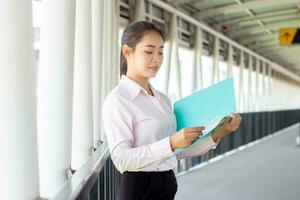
[198, 148]
[118, 126]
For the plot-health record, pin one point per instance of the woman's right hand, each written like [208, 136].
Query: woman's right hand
[185, 137]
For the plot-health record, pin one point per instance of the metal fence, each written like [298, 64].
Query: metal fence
[103, 182]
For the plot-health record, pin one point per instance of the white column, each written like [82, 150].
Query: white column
[241, 87]
[18, 143]
[257, 66]
[109, 47]
[174, 57]
[197, 82]
[216, 71]
[249, 96]
[139, 10]
[168, 59]
[230, 61]
[115, 16]
[55, 92]
[105, 55]
[97, 41]
[110, 62]
[82, 131]
[275, 89]
[269, 89]
[263, 95]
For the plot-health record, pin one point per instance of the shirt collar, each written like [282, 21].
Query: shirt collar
[134, 88]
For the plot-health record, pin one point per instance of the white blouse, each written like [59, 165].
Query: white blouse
[138, 126]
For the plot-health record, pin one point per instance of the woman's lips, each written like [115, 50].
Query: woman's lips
[155, 68]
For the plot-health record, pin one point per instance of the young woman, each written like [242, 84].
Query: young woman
[139, 123]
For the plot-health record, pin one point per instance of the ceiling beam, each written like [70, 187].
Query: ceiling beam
[224, 10]
[263, 44]
[239, 20]
[291, 55]
[263, 47]
[257, 37]
[277, 48]
[293, 51]
[255, 30]
[258, 21]
[179, 2]
[284, 59]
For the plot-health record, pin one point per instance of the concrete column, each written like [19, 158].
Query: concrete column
[82, 132]
[263, 96]
[115, 39]
[97, 42]
[197, 82]
[55, 94]
[216, 71]
[174, 57]
[139, 10]
[109, 50]
[18, 143]
[269, 88]
[230, 61]
[257, 66]
[250, 96]
[241, 84]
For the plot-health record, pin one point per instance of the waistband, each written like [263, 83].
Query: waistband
[149, 172]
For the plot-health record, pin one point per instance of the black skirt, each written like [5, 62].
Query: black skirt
[148, 186]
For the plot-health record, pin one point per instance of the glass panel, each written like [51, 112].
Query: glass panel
[253, 89]
[159, 80]
[186, 70]
[223, 70]
[236, 79]
[260, 90]
[207, 67]
[245, 89]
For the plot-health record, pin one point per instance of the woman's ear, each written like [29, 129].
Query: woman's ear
[126, 51]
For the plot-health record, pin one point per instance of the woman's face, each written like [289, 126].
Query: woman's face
[147, 56]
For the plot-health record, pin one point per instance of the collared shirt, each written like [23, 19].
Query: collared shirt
[138, 126]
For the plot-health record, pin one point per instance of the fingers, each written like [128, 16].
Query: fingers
[193, 133]
[238, 121]
[194, 129]
[235, 122]
[234, 119]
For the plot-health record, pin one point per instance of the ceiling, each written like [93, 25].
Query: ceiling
[252, 23]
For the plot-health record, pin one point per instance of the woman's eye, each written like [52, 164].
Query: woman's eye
[160, 53]
[148, 52]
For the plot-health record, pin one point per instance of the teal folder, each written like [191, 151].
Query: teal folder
[205, 106]
[208, 107]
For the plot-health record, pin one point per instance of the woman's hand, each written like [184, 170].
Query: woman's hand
[185, 137]
[228, 127]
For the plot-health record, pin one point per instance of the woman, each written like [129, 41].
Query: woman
[140, 125]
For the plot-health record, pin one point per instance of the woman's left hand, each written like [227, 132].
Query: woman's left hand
[228, 127]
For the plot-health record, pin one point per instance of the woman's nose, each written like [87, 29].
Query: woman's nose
[155, 58]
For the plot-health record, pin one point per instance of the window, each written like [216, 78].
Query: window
[186, 70]
[223, 66]
[207, 67]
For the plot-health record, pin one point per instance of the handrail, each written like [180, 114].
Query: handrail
[73, 186]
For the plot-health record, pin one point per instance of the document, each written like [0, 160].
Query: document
[208, 107]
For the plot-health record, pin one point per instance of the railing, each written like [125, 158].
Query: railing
[254, 126]
[98, 179]
[92, 181]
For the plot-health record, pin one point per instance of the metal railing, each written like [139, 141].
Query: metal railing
[98, 179]
[254, 126]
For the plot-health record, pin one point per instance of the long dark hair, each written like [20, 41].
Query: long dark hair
[132, 35]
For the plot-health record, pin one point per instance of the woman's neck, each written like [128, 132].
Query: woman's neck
[143, 82]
